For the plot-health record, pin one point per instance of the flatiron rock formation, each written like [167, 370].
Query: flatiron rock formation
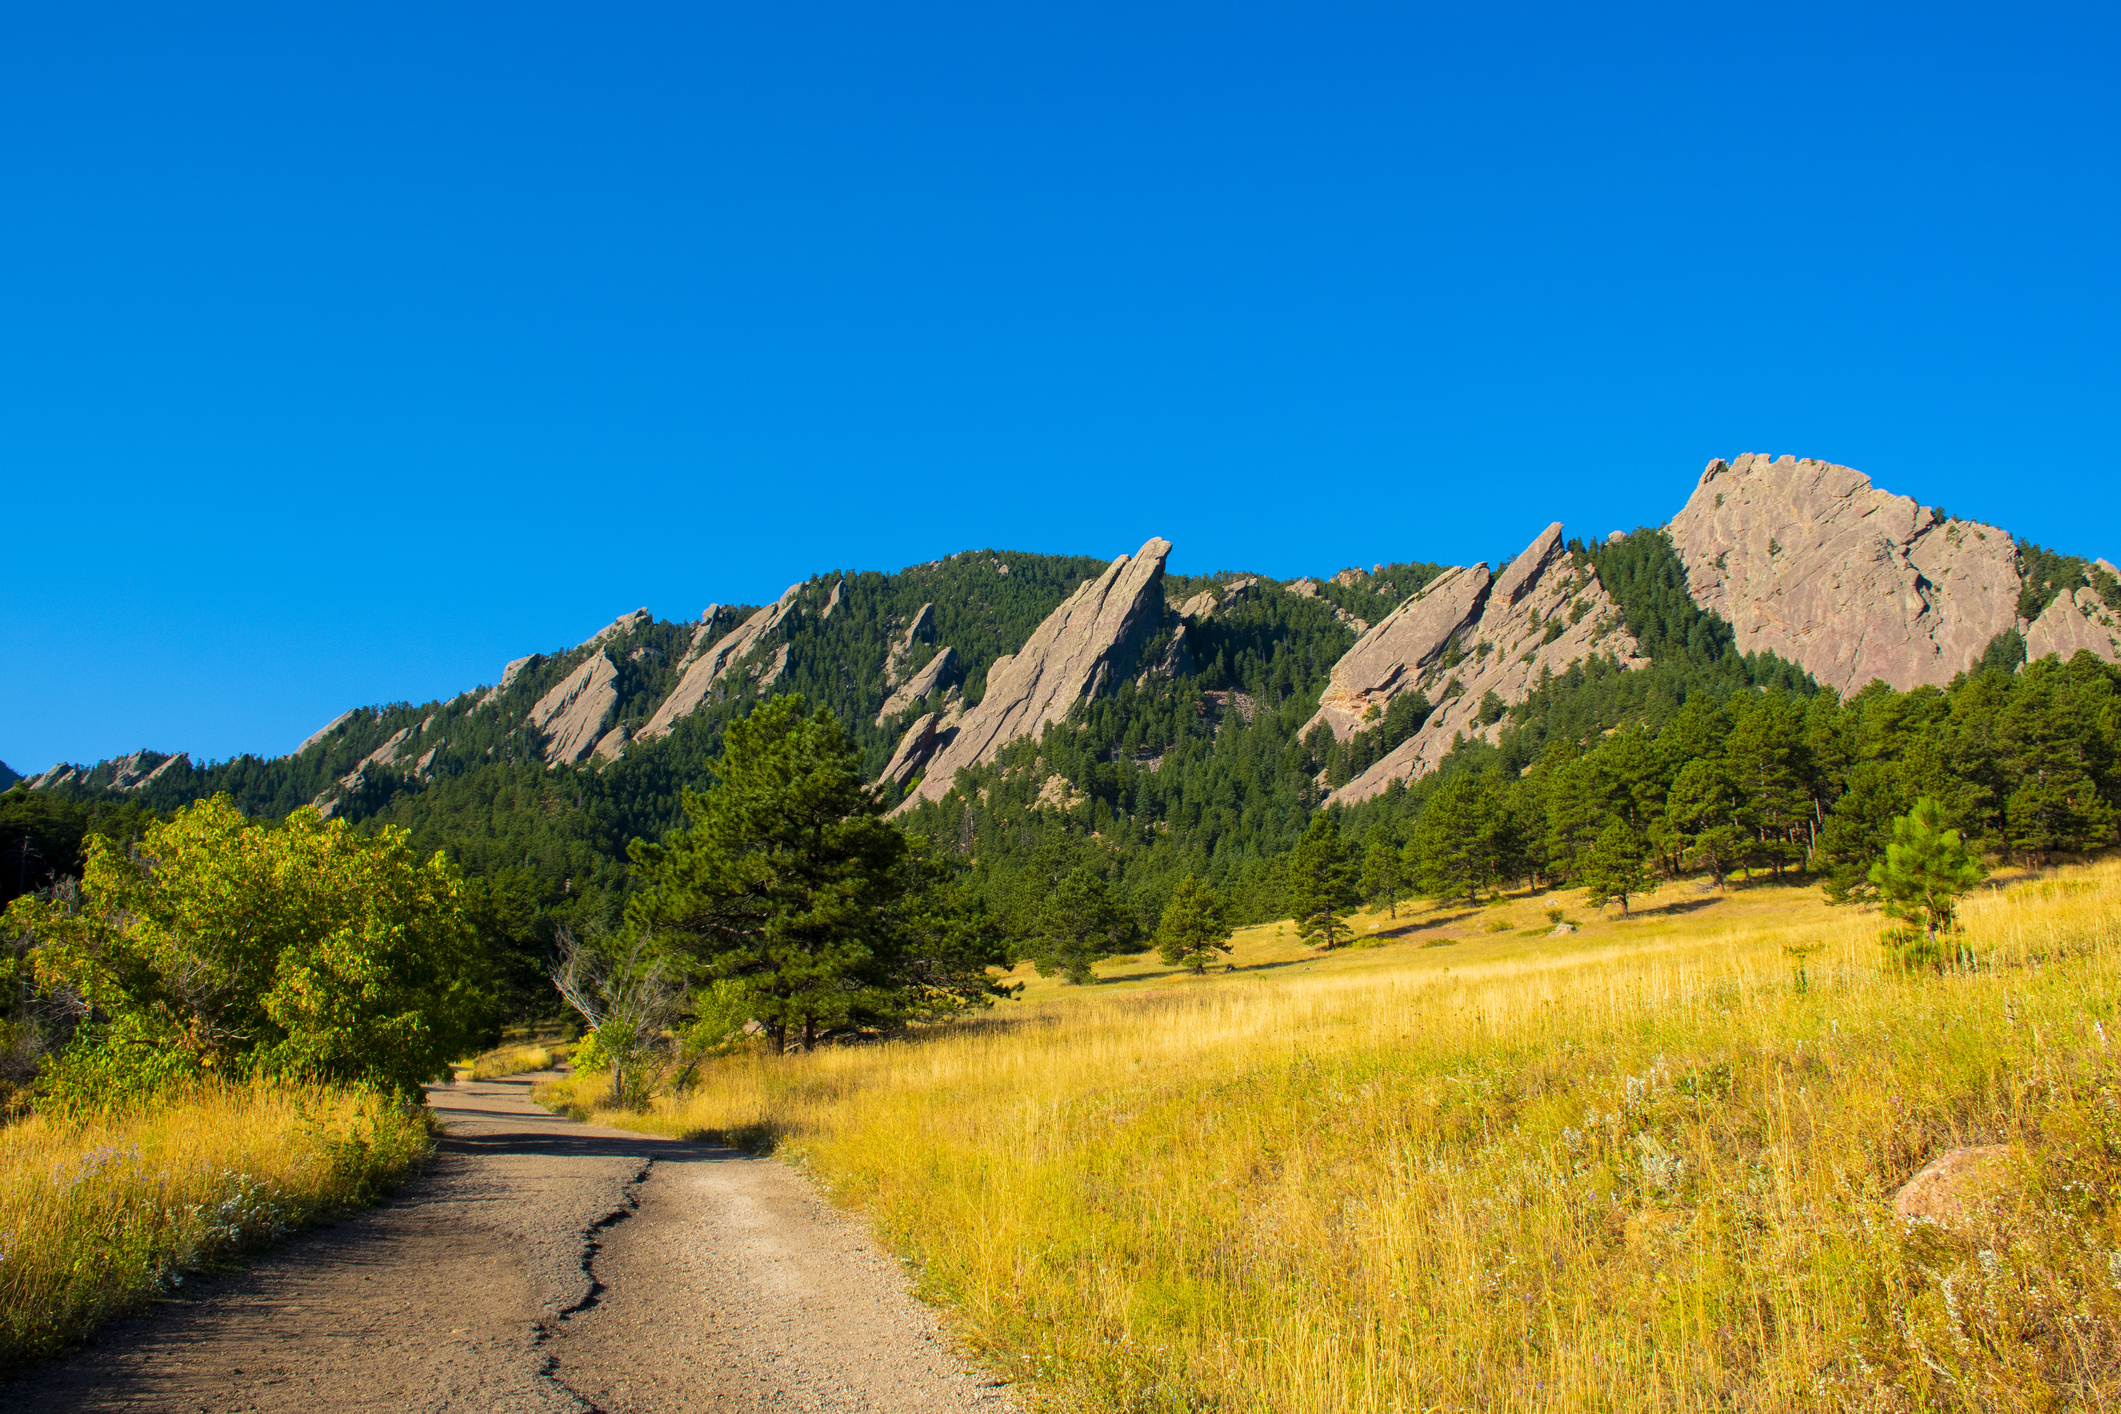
[1810, 561]
[572, 714]
[2077, 621]
[1084, 646]
[1543, 613]
[939, 672]
[508, 676]
[914, 749]
[326, 730]
[707, 668]
[623, 624]
[902, 646]
[1400, 651]
[1204, 604]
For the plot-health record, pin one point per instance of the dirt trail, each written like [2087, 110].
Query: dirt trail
[544, 1265]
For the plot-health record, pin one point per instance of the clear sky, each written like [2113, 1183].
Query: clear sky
[347, 352]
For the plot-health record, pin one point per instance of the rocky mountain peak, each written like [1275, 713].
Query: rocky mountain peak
[1475, 648]
[1809, 560]
[1082, 647]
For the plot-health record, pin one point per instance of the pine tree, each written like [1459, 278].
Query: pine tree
[1450, 853]
[786, 879]
[1193, 929]
[1703, 807]
[1383, 873]
[1925, 870]
[1080, 923]
[1613, 868]
[1321, 884]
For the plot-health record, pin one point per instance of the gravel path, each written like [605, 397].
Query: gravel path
[544, 1265]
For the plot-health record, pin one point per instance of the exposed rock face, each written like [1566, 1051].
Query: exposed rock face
[708, 668]
[623, 624]
[572, 714]
[508, 676]
[130, 772]
[1083, 646]
[902, 646]
[1205, 603]
[1542, 613]
[182, 758]
[833, 602]
[2076, 621]
[383, 755]
[425, 765]
[937, 673]
[324, 731]
[1176, 660]
[772, 672]
[914, 749]
[610, 746]
[1809, 560]
[51, 776]
[1396, 655]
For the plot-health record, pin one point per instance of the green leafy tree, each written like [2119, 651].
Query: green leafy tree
[1383, 873]
[1321, 884]
[1926, 870]
[219, 946]
[787, 879]
[1193, 929]
[1613, 868]
[1080, 922]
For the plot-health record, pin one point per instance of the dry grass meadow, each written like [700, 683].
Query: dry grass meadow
[1648, 1165]
[99, 1215]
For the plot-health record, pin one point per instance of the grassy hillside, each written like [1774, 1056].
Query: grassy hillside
[1646, 1165]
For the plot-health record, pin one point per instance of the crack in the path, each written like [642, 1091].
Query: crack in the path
[543, 1330]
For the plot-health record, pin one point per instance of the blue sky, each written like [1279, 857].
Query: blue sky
[346, 353]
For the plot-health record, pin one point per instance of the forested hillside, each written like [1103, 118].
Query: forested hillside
[1191, 762]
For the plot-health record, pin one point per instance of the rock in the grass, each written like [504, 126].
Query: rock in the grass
[1086, 645]
[1949, 1190]
[1810, 561]
[1562, 930]
[914, 749]
[936, 673]
[708, 665]
[572, 714]
[2077, 621]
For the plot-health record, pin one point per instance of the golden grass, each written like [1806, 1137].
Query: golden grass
[100, 1215]
[515, 1060]
[1634, 1167]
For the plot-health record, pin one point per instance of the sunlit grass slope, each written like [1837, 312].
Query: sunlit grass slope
[98, 1216]
[1640, 1166]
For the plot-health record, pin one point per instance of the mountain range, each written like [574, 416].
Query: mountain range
[1802, 558]
[1207, 715]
